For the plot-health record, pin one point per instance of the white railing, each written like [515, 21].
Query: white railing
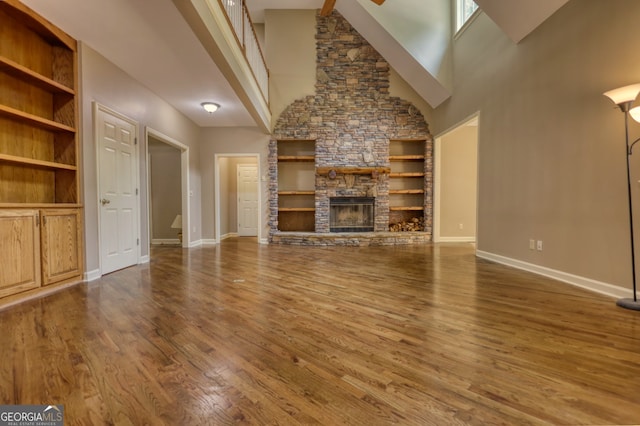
[240, 21]
[234, 14]
[253, 53]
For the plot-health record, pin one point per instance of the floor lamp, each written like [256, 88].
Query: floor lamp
[624, 98]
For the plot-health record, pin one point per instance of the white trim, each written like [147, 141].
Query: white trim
[466, 24]
[264, 241]
[216, 177]
[184, 177]
[437, 160]
[229, 235]
[208, 242]
[457, 240]
[144, 259]
[196, 243]
[97, 108]
[91, 275]
[578, 281]
[467, 119]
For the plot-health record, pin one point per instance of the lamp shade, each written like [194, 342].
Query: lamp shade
[623, 94]
[177, 222]
[635, 113]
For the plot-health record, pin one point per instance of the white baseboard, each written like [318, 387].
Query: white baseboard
[209, 242]
[456, 240]
[144, 259]
[264, 241]
[578, 281]
[196, 243]
[91, 275]
[228, 235]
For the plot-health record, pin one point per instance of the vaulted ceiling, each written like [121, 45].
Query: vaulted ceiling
[157, 47]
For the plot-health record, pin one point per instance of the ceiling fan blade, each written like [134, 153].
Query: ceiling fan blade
[378, 2]
[327, 7]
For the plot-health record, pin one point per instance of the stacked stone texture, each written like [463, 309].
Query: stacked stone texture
[352, 117]
[273, 185]
[350, 239]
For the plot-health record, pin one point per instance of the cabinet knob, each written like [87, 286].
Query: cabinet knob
[105, 201]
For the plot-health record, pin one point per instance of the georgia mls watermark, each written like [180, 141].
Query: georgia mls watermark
[31, 415]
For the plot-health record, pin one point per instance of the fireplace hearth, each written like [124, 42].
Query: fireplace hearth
[351, 214]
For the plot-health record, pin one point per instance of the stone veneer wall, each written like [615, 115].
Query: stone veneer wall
[352, 117]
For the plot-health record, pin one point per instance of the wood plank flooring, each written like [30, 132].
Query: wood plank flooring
[242, 333]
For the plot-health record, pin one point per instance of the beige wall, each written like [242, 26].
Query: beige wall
[457, 183]
[105, 83]
[290, 48]
[229, 142]
[551, 147]
[289, 42]
[165, 185]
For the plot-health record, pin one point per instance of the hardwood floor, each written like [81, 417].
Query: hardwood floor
[255, 334]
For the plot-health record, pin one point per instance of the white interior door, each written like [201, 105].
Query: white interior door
[118, 193]
[247, 200]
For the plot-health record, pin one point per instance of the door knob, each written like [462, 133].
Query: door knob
[105, 201]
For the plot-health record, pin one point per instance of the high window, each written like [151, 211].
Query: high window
[464, 11]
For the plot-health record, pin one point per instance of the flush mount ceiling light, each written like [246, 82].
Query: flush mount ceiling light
[210, 107]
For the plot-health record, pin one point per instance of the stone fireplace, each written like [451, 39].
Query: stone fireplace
[345, 184]
[351, 214]
[351, 118]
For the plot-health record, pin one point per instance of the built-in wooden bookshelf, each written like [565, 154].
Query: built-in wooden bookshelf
[406, 191]
[296, 185]
[40, 207]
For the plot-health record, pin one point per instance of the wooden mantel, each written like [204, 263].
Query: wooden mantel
[353, 170]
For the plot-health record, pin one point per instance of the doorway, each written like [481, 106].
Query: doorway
[456, 183]
[247, 189]
[237, 203]
[168, 189]
[118, 189]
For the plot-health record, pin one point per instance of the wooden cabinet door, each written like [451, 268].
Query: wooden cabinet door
[20, 248]
[61, 245]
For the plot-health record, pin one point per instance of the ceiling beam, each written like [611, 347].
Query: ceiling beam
[327, 7]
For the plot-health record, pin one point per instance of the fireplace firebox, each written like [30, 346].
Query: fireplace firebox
[351, 214]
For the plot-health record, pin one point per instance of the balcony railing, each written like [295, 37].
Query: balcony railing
[240, 21]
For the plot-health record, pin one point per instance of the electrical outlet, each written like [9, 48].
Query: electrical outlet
[460, 225]
[539, 245]
[532, 244]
